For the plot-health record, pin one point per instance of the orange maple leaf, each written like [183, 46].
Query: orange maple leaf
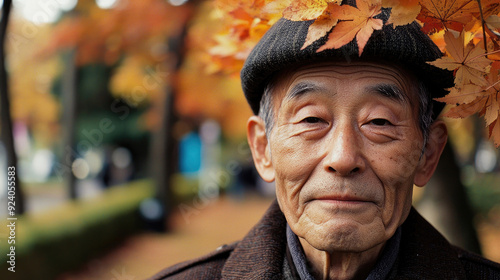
[354, 22]
[468, 61]
[322, 25]
[402, 11]
[441, 14]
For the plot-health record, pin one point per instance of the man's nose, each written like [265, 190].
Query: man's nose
[344, 155]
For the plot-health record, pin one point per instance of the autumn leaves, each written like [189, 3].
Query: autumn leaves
[349, 22]
[476, 74]
[476, 83]
[470, 31]
[467, 31]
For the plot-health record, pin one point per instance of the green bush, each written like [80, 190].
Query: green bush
[67, 236]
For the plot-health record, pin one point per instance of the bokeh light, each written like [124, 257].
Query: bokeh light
[106, 4]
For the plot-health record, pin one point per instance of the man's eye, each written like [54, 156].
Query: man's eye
[312, 120]
[380, 122]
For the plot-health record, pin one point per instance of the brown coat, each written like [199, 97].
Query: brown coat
[424, 254]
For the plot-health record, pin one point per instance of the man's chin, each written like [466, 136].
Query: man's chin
[344, 235]
[342, 213]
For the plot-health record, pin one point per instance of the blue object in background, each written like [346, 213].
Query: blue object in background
[190, 154]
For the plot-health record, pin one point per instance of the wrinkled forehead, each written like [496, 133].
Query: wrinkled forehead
[393, 80]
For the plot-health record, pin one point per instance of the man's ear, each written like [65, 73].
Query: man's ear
[438, 135]
[259, 145]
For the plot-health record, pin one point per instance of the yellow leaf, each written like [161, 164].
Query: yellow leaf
[276, 7]
[305, 10]
[402, 11]
[225, 45]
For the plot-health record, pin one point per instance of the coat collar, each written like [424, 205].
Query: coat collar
[260, 254]
[424, 252]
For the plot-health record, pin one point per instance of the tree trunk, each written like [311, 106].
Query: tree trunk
[163, 159]
[7, 136]
[445, 204]
[69, 95]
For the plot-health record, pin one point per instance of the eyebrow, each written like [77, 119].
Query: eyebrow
[386, 90]
[391, 91]
[301, 89]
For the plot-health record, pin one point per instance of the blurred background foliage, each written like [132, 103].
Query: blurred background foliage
[105, 93]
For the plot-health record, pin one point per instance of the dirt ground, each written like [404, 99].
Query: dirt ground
[201, 229]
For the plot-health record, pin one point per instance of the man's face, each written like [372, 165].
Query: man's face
[344, 153]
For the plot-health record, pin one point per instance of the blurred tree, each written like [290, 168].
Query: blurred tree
[31, 81]
[144, 42]
[446, 205]
[162, 155]
[69, 92]
[7, 137]
[204, 92]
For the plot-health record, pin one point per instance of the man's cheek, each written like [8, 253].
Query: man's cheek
[288, 190]
[400, 166]
[289, 204]
[292, 162]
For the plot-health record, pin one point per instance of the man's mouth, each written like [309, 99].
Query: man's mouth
[343, 200]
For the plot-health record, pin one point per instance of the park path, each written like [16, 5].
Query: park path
[201, 229]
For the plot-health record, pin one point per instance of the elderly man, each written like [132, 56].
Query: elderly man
[344, 138]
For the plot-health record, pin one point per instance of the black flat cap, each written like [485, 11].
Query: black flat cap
[406, 46]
